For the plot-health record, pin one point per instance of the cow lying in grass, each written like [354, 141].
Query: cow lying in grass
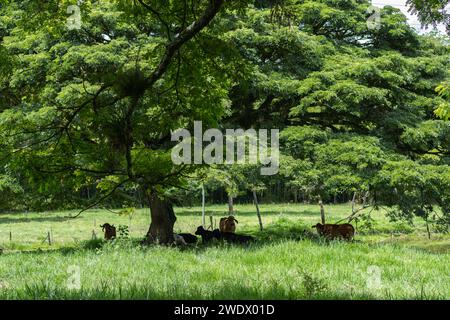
[110, 231]
[335, 231]
[206, 235]
[189, 238]
[228, 224]
[232, 237]
[184, 238]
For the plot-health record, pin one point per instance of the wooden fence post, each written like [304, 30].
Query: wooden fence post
[255, 197]
[211, 220]
[322, 211]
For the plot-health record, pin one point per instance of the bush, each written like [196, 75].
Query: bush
[285, 229]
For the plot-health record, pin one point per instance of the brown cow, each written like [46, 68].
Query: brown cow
[228, 224]
[335, 231]
[110, 231]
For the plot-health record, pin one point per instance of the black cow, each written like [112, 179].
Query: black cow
[206, 235]
[189, 238]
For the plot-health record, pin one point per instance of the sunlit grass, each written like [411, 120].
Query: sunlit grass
[288, 260]
[29, 231]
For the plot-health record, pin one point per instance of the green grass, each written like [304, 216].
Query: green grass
[288, 261]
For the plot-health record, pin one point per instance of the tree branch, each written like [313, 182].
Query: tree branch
[184, 36]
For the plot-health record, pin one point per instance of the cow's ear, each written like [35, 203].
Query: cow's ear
[236, 221]
[314, 227]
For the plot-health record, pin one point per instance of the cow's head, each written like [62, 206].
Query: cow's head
[106, 226]
[318, 226]
[232, 219]
[200, 231]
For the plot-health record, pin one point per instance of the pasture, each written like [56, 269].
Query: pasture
[388, 260]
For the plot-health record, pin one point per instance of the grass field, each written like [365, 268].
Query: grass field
[288, 260]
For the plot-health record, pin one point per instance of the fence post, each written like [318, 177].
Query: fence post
[322, 211]
[129, 223]
[255, 198]
[211, 220]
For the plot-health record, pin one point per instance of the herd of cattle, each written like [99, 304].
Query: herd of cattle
[227, 232]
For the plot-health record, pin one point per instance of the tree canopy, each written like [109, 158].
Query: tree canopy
[93, 108]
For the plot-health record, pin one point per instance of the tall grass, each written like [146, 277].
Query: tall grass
[288, 261]
[283, 270]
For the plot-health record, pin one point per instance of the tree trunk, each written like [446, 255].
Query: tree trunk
[230, 205]
[255, 197]
[163, 219]
[322, 211]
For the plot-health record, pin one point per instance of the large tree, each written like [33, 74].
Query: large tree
[358, 102]
[97, 104]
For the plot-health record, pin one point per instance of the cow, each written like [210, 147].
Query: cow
[335, 231]
[206, 235]
[110, 231]
[228, 224]
[179, 240]
[188, 238]
[232, 237]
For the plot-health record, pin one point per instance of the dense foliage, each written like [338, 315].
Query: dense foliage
[86, 113]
